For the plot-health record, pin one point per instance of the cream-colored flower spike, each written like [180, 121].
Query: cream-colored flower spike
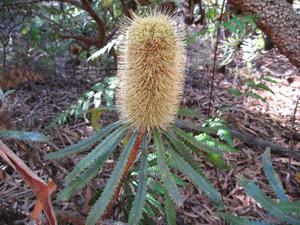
[150, 71]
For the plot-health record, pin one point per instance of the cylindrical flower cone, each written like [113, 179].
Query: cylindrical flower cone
[150, 71]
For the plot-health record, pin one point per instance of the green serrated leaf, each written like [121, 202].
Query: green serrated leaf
[271, 206]
[165, 171]
[170, 210]
[140, 197]
[239, 24]
[183, 151]
[107, 145]
[235, 220]
[24, 136]
[290, 207]
[84, 178]
[272, 176]
[84, 144]
[198, 145]
[100, 206]
[197, 179]
[87, 175]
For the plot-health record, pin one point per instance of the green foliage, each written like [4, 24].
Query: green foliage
[254, 85]
[4, 95]
[100, 96]
[23, 136]
[284, 211]
[87, 168]
[197, 179]
[272, 176]
[84, 144]
[251, 46]
[99, 207]
[290, 207]
[170, 210]
[83, 179]
[140, 197]
[155, 191]
[210, 148]
[194, 144]
[216, 126]
[234, 220]
[271, 206]
[239, 24]
[183, 151]
[39, 44]
[240, 28]
[243, 35]
[165, 174]
[104, 149]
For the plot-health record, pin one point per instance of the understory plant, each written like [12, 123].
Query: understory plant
[285, 211]
[150, 84]
[98, 99]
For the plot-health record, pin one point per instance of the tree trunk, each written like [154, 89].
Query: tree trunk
[276, 19]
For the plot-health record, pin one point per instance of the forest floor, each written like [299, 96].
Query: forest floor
[34, 107]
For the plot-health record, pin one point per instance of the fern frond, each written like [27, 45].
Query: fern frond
[84, 144]
[100, 206]
[165, 171]
[215, 142]
[154, 171]
[153, 206]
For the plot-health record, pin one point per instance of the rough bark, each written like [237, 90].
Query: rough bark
[276, 19]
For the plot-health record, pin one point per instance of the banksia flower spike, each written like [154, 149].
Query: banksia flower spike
[150, 71]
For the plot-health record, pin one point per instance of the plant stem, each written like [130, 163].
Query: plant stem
[215, 60]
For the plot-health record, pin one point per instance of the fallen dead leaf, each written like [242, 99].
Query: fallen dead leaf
[42, 190]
